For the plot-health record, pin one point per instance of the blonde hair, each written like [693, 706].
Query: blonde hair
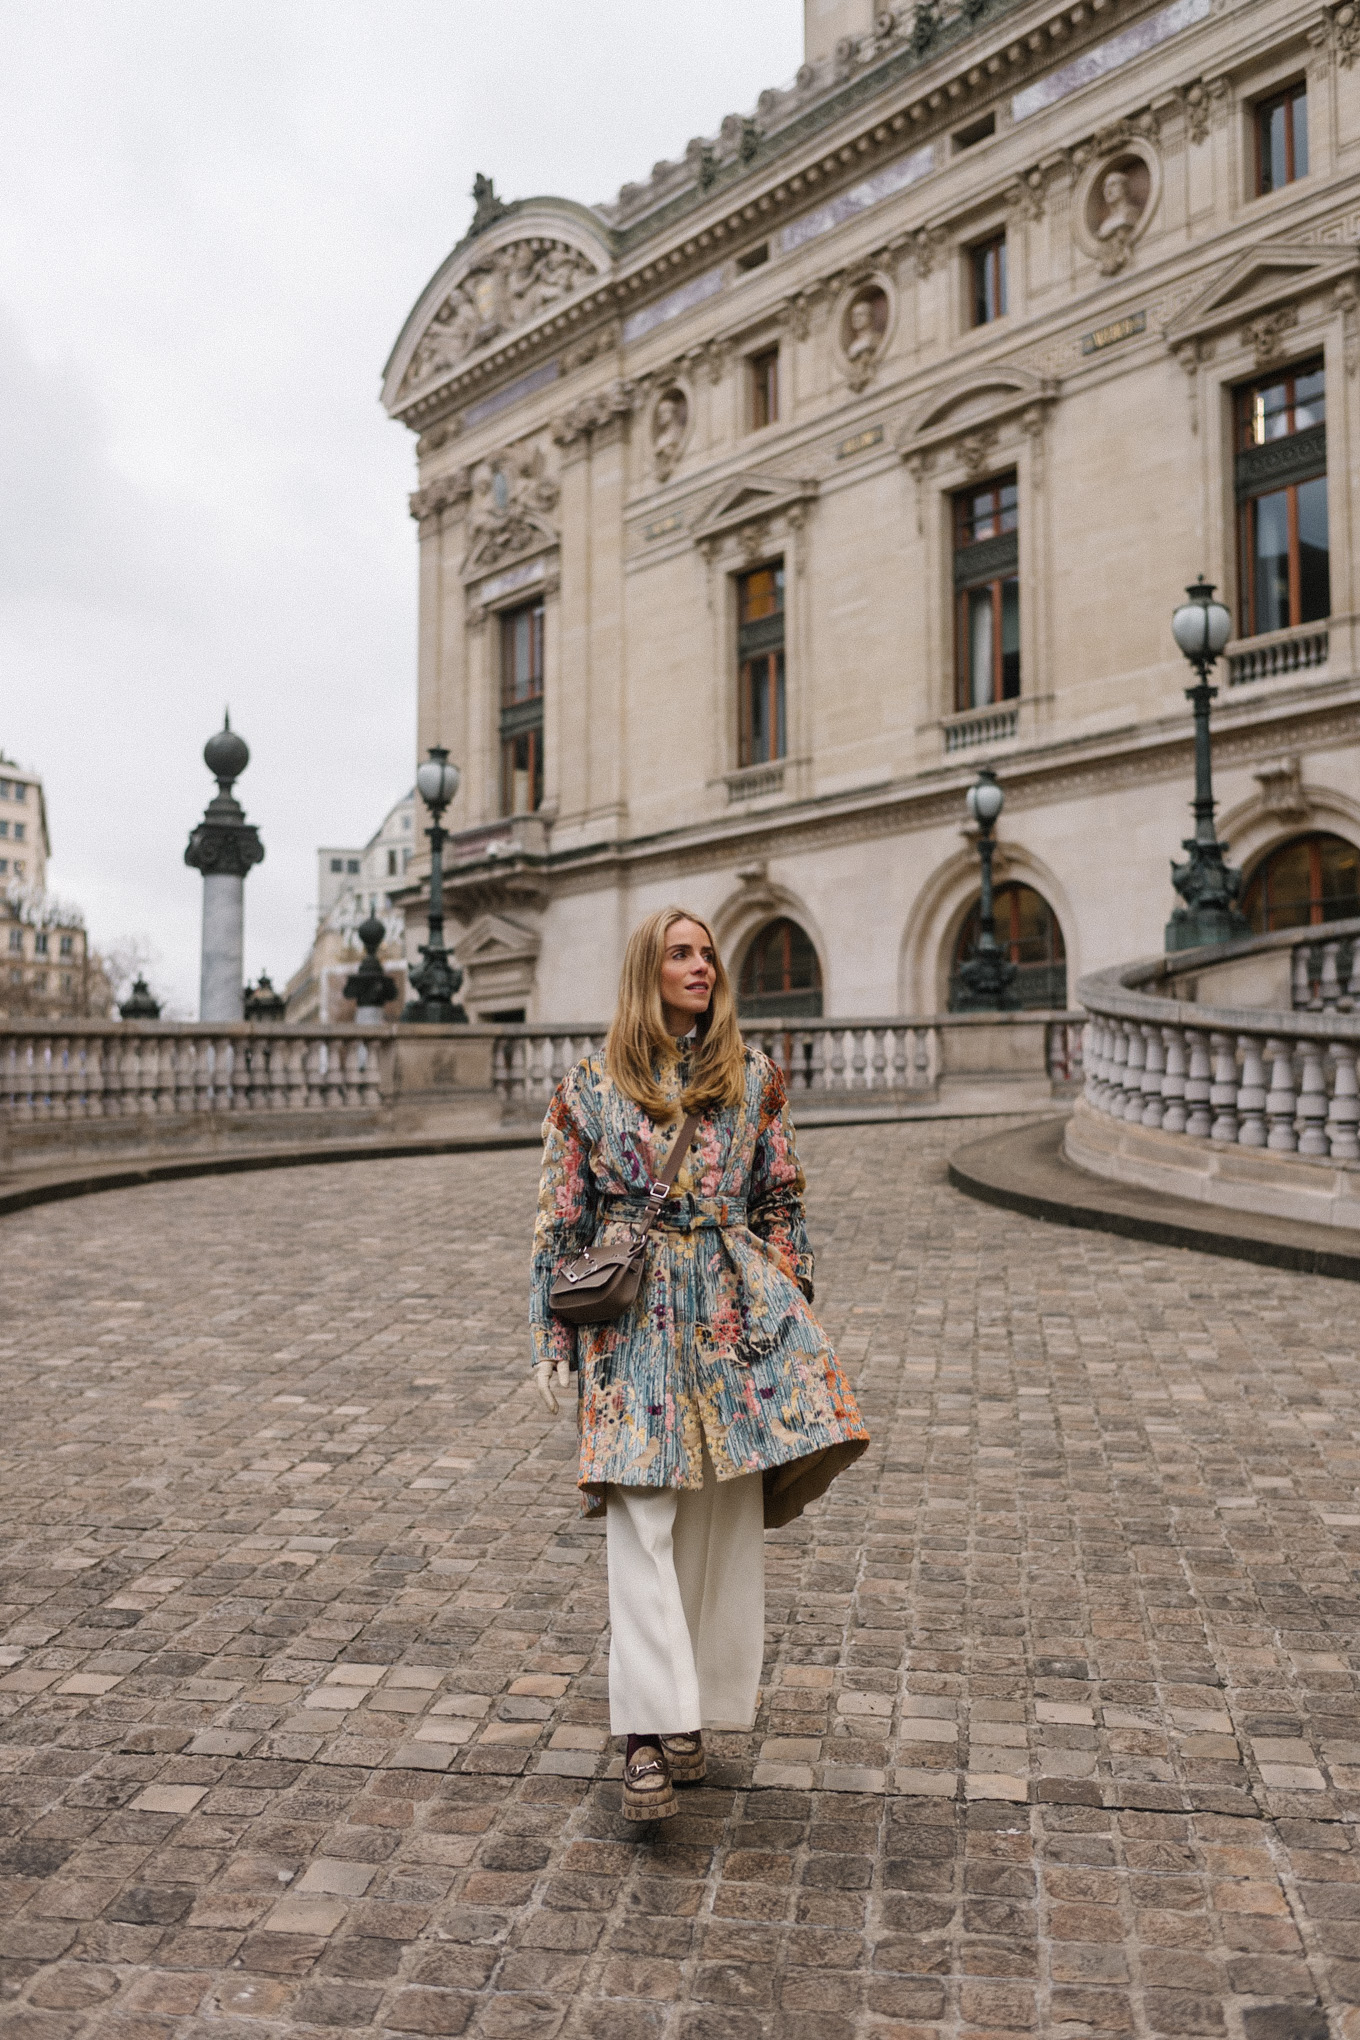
[638, 1037]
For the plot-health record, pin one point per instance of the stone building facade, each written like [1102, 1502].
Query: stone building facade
[352, 884]
[875, 439]
[24, 844]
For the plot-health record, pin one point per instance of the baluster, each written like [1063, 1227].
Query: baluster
[204, 1074]
[1095, 1035]
[59, 1077]
[152, 1077]
[1314, 977]
[1133, 1074]
[1298, 977]
[23, 1080]
[1312, 1100]
[1223, 1090]
[1197, 1086]
[182, 1076]
[1173, 1081]
[1353, 978]
[836, 1080]
[857, 1080]
[1329, 987]
[1344, 1115]
[901, 1053]
[1251, 1094]
[354, 1074]
[129, 1078]
[500, 1069]
[816, 1075]
[920, 1057]
[280, 1071]
[876, 1077]
[1116, 1098]
[517, 1075]
[314, 1075]
[1281, 1102]
[1345, 970]
[1154, 1066]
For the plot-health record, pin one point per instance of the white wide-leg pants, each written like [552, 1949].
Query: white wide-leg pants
[686, 1605]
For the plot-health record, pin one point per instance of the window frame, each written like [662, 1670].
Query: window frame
[989, 563]
[521, 714]
[988, 254]
[1261, 110]
[762, 644]
[762, 382]
[1267, 467]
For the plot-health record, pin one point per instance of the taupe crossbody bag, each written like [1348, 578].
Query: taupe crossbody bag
[600, 1284]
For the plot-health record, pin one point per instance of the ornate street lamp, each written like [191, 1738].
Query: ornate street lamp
[986, 982]
[1206, 882]
[438, 978]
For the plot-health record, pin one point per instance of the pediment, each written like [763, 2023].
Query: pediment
[543, 254]
[1264, 276]
[493, 939]
[748, 497]
[971, 403]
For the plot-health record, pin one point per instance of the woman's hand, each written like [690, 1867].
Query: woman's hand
[543, 1381]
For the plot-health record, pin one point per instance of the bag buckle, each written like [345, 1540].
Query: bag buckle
[658, 1192]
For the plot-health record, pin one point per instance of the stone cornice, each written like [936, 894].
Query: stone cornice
[774, 186]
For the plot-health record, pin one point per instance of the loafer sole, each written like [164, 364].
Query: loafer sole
[648, 1805]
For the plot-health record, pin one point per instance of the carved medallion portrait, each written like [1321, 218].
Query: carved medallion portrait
[1115, 202]
[863, 332]
[670, 429]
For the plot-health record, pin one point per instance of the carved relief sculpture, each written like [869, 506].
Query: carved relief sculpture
[670, 427]
[864, 329]
[1121, 210]
[503, 289]
[511, 496]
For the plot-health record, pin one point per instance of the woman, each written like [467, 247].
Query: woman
[714, 1406]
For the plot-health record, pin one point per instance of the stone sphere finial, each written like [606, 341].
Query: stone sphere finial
[225, 754]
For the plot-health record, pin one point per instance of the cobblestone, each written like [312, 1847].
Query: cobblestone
[303, 1708]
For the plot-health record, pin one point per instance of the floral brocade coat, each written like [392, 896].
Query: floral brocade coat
[721, 1348]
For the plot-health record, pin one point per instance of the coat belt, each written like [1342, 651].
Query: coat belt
[685, 1213]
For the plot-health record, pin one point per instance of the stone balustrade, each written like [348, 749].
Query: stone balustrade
[72, 1090]
[1275, 1090]
[893, 1062]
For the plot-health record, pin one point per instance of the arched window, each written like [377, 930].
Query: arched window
[780, 975]
[1027, 930]
[1313, 879]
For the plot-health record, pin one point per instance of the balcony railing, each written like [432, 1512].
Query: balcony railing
[976, 726]
[1279, 651]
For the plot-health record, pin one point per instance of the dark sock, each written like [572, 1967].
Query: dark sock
[635, 1743]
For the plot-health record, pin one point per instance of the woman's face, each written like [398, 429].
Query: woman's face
[688, 973]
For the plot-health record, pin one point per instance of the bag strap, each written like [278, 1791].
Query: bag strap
[659, 1189]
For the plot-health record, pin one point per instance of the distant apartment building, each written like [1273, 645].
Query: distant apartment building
[46, 969]
[24, 845]
[351, 884]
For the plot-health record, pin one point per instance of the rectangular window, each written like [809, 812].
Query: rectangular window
[19, 832]
[40, 944]
[4, 789]
[761, 732]
[4, 828]
[988, 262]
[65, 945]
[986, 594]
[1282, 139]
[20, 790]
[4, 864]
[1281, 487]
[391, 864]
[764, 374]
[522, 709]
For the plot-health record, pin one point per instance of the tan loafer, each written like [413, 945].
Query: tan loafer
[647, 1793]
[685, 1755]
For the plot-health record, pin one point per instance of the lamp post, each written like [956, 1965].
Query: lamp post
[1206, 882]
[438, 978]
[986, 982]
[369, 986]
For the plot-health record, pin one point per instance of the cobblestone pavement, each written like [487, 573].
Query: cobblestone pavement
[303, 1664]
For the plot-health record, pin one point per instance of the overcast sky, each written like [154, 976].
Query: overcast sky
[214, 217]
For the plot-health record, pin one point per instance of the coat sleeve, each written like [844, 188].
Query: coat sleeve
[775, 1199]
[567, 1213]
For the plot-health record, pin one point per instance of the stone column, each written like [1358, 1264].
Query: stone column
[223, 847]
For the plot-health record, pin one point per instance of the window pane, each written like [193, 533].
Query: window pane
[980, 655]
[780, 744]
[1315, 596]
[1310, 406]
[1270, 564]
[1273, 170]
[760, 594]
[1299, 114]
[1010, 639]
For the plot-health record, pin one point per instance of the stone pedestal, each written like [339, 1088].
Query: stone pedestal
[224, 935]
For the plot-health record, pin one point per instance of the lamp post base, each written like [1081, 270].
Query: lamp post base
[987, 984]
[434, 1013]
[1196, 927]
